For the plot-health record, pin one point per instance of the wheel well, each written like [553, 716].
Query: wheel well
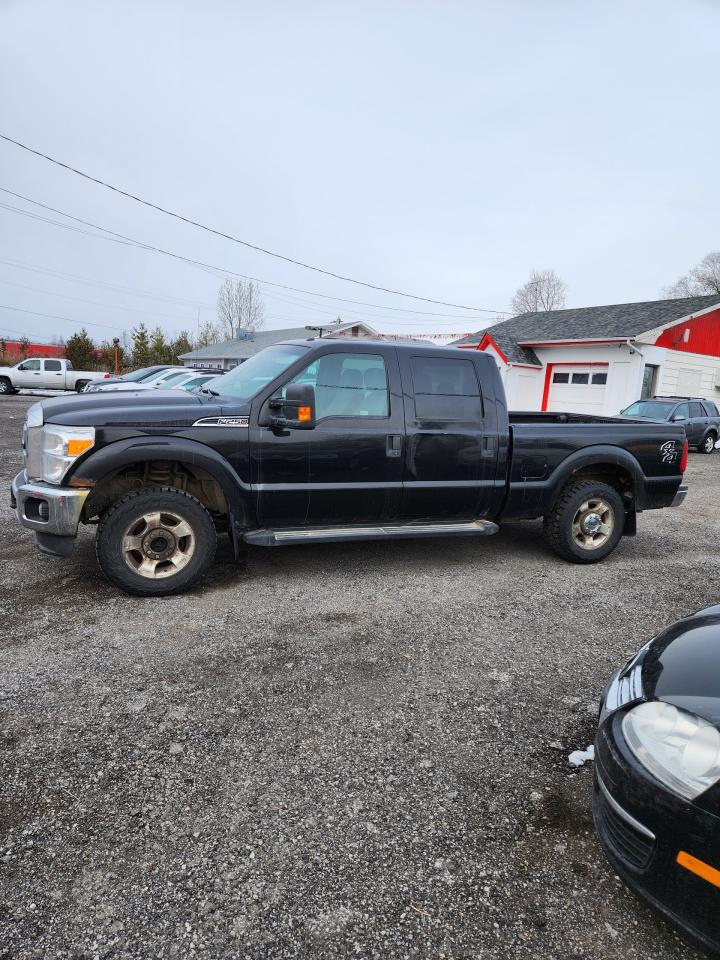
[610, 473]
[187, 477]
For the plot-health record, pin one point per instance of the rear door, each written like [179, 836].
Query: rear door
[697, 424]
[53, 376]
[451, 452]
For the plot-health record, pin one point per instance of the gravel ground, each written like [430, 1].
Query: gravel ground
[337, 750]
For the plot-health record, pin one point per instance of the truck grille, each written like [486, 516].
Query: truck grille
[631, 842]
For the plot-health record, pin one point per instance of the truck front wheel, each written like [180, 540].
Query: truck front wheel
[155, 541]
[586, 522]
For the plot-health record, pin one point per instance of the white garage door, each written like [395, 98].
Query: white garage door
[579, 389]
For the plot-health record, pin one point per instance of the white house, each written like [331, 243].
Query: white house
[600, 359]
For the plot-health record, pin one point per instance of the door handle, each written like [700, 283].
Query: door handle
[393, 445]
[489, 446]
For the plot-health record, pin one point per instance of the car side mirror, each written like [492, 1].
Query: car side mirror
[678, 417]
[298, 407]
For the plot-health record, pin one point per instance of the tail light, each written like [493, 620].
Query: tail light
[683, 458]
[105, 376]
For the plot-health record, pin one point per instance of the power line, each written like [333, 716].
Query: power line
[55, 316]
[212, 268]
[228, 236]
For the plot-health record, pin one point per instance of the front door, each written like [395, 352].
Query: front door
[450, 459]
[348, 469]
[28, 374]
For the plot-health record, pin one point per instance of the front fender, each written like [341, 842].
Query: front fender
[98, 464]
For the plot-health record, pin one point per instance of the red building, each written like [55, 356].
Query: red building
[14, 351]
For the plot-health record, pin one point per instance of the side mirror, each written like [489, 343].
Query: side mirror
[298, 408]
[678, 417]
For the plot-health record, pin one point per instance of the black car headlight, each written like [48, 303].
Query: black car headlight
[678, 748]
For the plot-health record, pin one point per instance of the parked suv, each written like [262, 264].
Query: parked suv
[699, 417]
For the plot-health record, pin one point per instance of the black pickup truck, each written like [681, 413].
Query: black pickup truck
[324, 440]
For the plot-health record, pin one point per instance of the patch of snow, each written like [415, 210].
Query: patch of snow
[578, 757]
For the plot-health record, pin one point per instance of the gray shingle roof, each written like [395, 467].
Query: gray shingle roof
[242, 349]
[615, 320]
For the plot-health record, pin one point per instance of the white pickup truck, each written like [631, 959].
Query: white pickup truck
[44, 373]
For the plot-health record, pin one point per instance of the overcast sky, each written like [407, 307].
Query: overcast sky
[443, 149]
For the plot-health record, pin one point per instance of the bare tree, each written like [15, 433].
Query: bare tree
[543, 291]
[208, 334]
[240, 306]
[702, 279]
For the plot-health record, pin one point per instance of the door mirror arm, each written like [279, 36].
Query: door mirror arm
[298, 408]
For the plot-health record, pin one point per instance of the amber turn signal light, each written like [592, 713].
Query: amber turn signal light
[76, 447]
[304, 414]
[699, 867]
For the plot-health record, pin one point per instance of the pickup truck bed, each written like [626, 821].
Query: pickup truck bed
[332, 439]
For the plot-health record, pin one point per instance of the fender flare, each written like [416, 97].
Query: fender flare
[602, 455]
[100, 463]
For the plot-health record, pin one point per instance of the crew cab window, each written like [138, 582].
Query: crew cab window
[348, 385]
[696, 410]
[445, 389]
[30, 365]
[53, 365]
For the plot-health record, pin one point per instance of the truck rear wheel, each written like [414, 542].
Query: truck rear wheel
[155, 542]
[6, 386]
[586, 522]
[80, 385]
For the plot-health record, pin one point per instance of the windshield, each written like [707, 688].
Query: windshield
[173, 378]
[652, 409]
[250, 377]
[140, 374]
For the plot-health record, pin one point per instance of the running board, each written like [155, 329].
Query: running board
[397, 531]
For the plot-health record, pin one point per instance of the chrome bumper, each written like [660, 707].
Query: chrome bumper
[680, 495]
[47, 509]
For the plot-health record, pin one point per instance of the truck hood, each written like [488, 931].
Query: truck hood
[142, 408]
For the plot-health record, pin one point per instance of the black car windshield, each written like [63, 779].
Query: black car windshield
[652, 409]
[250, 377]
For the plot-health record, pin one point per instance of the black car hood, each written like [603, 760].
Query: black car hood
[141, 408]
[682, 665]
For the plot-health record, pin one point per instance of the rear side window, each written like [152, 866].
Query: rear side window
[696, 410]
[445, 389]
[54, 365]
[711, 408]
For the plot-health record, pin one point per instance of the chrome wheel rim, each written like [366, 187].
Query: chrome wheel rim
[709, 444]
[158, 544]
[593, 523]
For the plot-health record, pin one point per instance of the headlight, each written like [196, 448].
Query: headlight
[678, 748]
[62, 445]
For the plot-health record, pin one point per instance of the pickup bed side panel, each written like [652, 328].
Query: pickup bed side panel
[546, 456]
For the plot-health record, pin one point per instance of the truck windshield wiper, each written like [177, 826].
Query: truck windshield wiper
[208, 390]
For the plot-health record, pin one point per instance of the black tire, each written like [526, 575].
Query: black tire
[122, 524]
[6, 387]
[708, 442]
[565, 532]
[80, 385]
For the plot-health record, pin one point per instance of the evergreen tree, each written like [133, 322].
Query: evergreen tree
[181, 344]
[140, 346]
[160, 349]
[80, 351]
